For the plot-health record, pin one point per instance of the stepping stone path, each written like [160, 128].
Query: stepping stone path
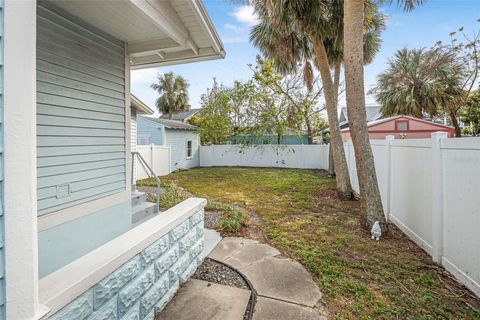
[285, 290]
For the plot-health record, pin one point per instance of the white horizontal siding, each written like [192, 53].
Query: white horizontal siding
[177, 140]
[81, 135]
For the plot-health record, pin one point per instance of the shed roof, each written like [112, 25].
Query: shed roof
[181, 116]
[171, 124]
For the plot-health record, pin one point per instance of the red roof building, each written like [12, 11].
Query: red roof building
[402, 127]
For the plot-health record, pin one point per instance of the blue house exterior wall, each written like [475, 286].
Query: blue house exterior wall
[150, 129]
[176, 139]
[81, 135]
[2, 253]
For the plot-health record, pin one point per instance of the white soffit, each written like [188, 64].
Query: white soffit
[158, 32]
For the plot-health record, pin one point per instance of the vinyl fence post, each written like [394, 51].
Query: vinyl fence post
[388, 176]
[437, 196]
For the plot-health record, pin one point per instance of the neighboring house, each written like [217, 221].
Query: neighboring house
[182, 138]
[70, 247]
[373, 114]
[183, 117]
[402, 127]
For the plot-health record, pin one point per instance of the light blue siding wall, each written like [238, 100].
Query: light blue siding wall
[80, 112]
[177, 140]
[81, 134]
[2, 254]
[149, 128]
[67, 242]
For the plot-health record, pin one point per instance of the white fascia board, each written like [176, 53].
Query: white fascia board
[202, 15]
[173, 58]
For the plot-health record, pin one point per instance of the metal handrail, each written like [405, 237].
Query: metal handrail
[150, 172]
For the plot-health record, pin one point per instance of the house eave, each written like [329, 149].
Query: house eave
[163, 32]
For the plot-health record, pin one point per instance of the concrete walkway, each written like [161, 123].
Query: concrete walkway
[285, 289]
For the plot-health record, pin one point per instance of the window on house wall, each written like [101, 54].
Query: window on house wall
[189, 149]
[401, 125]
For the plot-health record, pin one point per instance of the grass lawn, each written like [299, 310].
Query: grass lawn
[297, 211]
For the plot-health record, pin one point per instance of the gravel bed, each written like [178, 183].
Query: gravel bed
[216, 272]
[212, 218]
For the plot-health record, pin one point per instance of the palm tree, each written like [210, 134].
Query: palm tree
[419, 81]
[353, 19]
[173, 92]
[285, 35]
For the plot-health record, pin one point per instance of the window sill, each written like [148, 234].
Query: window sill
[64, 285]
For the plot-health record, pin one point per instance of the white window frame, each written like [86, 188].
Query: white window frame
[191, 149]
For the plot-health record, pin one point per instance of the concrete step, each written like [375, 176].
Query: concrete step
[143, 210]
[210, 238]
[138, 197]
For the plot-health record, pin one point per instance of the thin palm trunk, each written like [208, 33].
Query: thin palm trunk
[455, 124]
[344, 188]
[336, 86]
[370, 201]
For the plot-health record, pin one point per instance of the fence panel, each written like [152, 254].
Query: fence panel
[278, 156]
[411, 190]
[461, 212]
[157, 157]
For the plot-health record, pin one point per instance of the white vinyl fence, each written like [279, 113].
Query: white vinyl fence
[277, 156]
[157, 157]
[430, 189]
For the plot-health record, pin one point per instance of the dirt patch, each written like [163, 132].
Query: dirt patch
[212, 218]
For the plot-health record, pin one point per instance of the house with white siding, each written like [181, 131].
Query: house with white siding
[73, 246]
[182, 139]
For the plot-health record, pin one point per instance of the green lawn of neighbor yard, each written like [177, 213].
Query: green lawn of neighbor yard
[298, 212]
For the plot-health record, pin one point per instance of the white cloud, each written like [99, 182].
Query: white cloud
[233, 28]
[144, 76]
[246, 15]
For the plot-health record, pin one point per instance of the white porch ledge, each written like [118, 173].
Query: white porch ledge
[63, 286]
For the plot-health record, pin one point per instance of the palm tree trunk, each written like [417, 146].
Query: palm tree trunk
[456, 125]
[331, 164]
[336, 87]
[344, 187]
[370, 201]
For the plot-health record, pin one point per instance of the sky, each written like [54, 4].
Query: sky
[423, 27]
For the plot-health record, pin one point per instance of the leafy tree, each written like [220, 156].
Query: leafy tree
[464, 50]
[419, 81]
[214, 121]
[300, 106]
[173, 91]
[471, 113]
